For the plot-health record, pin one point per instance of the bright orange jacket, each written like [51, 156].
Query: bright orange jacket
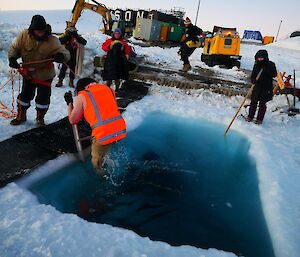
[102, 113]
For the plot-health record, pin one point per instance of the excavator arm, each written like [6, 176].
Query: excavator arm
[101, 9]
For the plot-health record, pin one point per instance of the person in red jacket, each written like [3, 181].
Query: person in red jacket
[97, 103]
[116, 64]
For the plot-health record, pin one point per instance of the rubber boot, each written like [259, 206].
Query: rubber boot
[21, 117]
[59, 83]
[258, 122]
[40, 114]
[71, 83]
[186, 67]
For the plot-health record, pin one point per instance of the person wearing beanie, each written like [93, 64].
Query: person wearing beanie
[97, 103]
[263, 89]
[191, 34]
[37, 48]
[116, 59]
[72, 41]
[187, 21]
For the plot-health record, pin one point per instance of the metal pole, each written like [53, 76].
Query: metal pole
[77, 142]
[243, 102]
[294, 89]
[278, 30]
[293, 110]
[197, 12]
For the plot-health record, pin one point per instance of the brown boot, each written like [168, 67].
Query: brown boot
[21, 117]
[59, 83]
[40, 122]
[71, 83]
[186, 67]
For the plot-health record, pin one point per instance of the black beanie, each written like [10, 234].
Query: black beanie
[262, 54]
[82, 83]
[38, 23]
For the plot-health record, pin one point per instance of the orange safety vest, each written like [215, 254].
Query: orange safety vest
[102, 114]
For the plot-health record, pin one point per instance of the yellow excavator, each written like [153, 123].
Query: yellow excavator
[99, 8]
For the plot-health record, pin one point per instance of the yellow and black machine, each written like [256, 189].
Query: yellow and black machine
[222, 47]
[99, 8]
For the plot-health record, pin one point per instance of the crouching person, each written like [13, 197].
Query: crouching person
[97, 103]
[35, 45]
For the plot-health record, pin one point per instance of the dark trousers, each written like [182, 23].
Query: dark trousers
[72, 64]
[43, 94]
[185, 53]
[261, 110]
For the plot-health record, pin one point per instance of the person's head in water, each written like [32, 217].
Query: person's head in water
[261, 56]
[38, 28]
[117, 34]
[83, 83]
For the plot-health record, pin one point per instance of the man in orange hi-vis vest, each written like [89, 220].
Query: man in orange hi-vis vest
[97, 103]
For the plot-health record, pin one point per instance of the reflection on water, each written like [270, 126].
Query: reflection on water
[174, 180]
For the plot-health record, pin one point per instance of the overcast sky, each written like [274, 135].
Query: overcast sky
[263, 15]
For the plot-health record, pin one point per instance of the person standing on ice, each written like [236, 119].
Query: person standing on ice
[263, 89]
[71, 40]
[189, 43]
[37, 47]
[97, 103]
[116, 60]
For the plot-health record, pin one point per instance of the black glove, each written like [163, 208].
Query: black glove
[13, 63]
[68, 97]
[59, 57]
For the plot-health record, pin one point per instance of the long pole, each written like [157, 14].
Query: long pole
[197, 12]
[294, 103]
[37, 62]
[237, 112]
[77, 142]
[243, 102]
[278, 30]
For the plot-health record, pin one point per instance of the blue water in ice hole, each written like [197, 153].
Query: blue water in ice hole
[175, 180]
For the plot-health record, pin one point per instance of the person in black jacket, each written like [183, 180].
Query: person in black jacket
[190, 36]
[263, 89]
[70, 39]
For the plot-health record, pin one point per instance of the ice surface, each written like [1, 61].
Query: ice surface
[274, 145]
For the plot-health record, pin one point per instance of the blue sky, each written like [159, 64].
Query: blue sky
[263, 15]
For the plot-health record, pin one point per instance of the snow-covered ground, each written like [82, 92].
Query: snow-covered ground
[285, 54]
[273, 145]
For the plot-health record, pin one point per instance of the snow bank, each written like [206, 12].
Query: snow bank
[289, 43]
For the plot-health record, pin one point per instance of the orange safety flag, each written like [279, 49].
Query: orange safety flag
[280, 84]
[280, 81]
